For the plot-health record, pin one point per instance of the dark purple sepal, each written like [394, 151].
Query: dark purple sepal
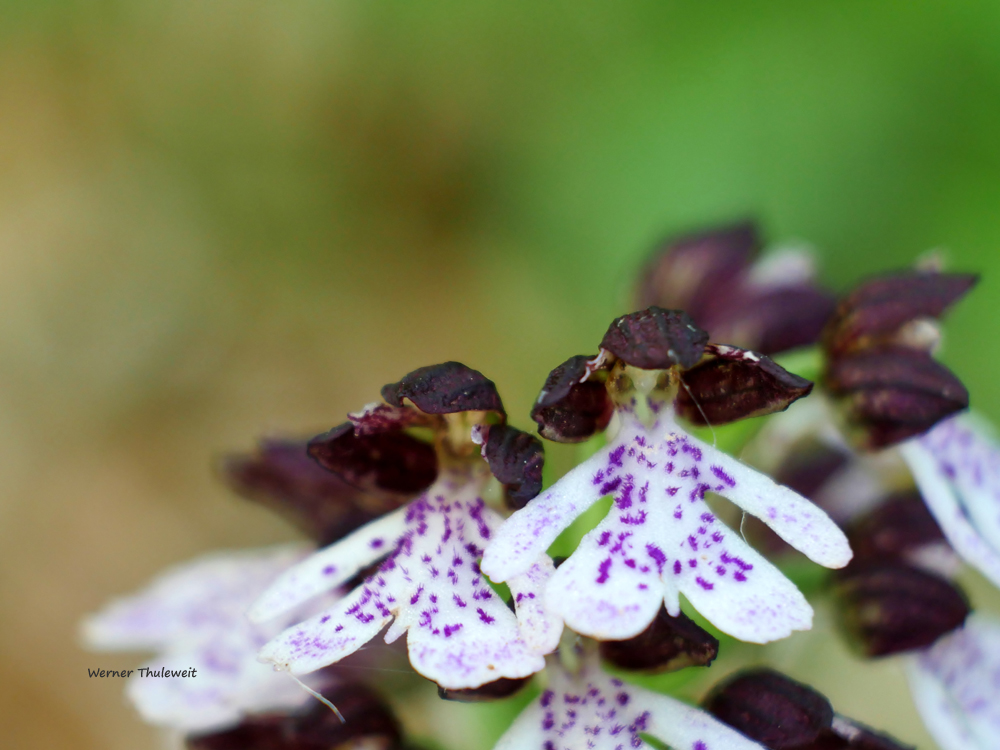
[894, 393]
[378, 418]
[668, 644]
[847, 734]
[735, 384]
[391, 461]
[655, 339]
[774, 320]
[491, 691]
[365, 715]
[569, 409]
[891, 608]
[690, 271]
[900, 525]
[283, 477]
[879, 307]
[516, 460]
[445, 389]
[770, 708]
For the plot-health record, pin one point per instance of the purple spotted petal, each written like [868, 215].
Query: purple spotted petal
[957, 470]
[194, 616]
[460, 633]
[661, 539]
[956, 686]
[594, 710]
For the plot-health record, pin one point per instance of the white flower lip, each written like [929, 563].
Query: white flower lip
[460, 633]
[957, 469]
[594, 710]
[661, 539]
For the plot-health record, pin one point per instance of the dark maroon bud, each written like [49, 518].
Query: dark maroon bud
[770, 708]
[668, 644]
[365, 716]
[516, 459]
[656, 339]
[391, 461]
[445, 389]
[894, 393]
[689, 272]
[774, 320]
[891, 608]
[282, 476]
[898, 526]
[491, 691]
[879, 307]
[736, 384]
[569, 409]
[378, 418]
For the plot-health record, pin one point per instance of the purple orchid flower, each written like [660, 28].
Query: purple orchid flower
[661, 539]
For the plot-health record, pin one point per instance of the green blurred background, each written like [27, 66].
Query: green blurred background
[229, 218]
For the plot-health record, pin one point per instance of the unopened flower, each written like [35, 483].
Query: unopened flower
[783, 714]
[194, 617]
[768, 305]
[588, 708]
[879, 364]
[660, 538]
[668, 644]
[367, 724]
[460, 633]
[956, 686]
[957, 468]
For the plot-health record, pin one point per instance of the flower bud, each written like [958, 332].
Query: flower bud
[365, 716]
[668, 644]
[898, 527]
[893, 393]
[891, 608]
[772, 709]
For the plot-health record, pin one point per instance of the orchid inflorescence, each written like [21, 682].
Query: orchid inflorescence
[428, 518]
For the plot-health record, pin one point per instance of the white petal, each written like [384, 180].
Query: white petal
[528, 533]
[189, 602]
[540, 627]
[956, 685]
[330, 567]
[661, 539]
[329, 636]
[791, 516]
[595, 711]
[460, 633]
[945, 502]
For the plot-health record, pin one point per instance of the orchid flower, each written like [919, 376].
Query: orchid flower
[460, 632]
[193, 616]
[588, 708]
[661, 539]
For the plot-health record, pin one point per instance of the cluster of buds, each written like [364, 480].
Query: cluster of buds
[421, 505]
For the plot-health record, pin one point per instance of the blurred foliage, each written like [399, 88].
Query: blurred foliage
[222, 219]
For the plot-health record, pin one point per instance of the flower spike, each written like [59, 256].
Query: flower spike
[460, 633]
